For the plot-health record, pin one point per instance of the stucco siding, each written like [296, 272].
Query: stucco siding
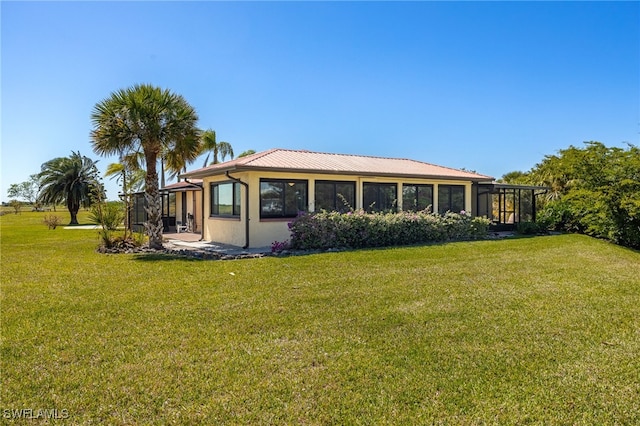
[262, 232]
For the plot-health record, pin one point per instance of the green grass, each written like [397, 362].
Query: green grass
[541, 330]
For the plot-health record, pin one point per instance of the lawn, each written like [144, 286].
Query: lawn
[541, 330]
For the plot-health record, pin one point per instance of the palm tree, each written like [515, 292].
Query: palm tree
[209, 143]
[156, 122]
[72, 180]
[130, 176]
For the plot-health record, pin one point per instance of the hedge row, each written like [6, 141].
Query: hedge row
[358, 229]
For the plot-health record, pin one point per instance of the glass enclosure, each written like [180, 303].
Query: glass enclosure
[507, 205]
[139, 213]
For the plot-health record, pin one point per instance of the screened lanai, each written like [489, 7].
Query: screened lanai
[506, 205]
[181, 207]
[139, 213]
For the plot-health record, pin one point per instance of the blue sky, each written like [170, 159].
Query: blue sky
[486, 86]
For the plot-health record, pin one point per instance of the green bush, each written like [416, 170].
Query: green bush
[591, 213]
[358, 229]
[109, 215]
[531, 228]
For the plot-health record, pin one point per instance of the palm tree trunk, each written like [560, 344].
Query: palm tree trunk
[153, 226]
[73, 211]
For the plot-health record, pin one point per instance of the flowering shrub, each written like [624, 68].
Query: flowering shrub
[279, 246]
[358, 229]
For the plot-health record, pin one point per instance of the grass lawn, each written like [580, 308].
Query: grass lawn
[539, 330]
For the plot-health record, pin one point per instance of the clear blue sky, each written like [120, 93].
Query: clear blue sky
[491, 87]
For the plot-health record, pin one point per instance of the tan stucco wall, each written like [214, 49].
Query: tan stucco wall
[193, 206]
[263, 232]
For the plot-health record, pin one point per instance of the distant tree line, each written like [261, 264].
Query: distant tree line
[594, 190]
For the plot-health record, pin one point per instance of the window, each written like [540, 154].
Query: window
[379, 197]
[139, 215]
[282, 198]
[335, 196]
[168, 204]
[225, 199]
[450, 198]
[416, 197]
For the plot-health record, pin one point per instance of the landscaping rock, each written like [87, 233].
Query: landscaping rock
[179, 252]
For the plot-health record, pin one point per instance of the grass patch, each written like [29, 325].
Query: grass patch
[535, 330]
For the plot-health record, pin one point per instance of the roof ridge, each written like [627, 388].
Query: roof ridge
[340, 154]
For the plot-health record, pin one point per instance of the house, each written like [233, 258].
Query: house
[249, 201]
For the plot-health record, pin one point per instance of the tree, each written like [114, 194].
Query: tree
[156, 122]
[132, 180]
[246, 153]
[28, 191]
[16, 206]
[596, 191]
[210, 144]
[515, 177]
[70, 180]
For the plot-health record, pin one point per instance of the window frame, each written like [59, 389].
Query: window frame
[284, 182]
[236, 203]
[337, 201]
[378, 186]
[449, 205]
[416, 197]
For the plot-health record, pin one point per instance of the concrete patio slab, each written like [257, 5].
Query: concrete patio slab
[190, 241]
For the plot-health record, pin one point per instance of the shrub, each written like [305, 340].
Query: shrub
[279, 246]
[108, 215]
[52, 221]
[531, 228]
[358, 229]
[138, 238]
[16, 205]
[590, 213]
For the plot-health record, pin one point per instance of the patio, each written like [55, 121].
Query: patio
[191, 241]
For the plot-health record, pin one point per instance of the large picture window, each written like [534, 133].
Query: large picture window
[416, 197]
[335, 196]
[225, 199]
[282, 198]
[379, 197]
[450, 198]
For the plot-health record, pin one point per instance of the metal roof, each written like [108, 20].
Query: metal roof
[285, 160]
[193, 184]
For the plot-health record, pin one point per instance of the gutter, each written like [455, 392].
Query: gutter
[246, 196]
